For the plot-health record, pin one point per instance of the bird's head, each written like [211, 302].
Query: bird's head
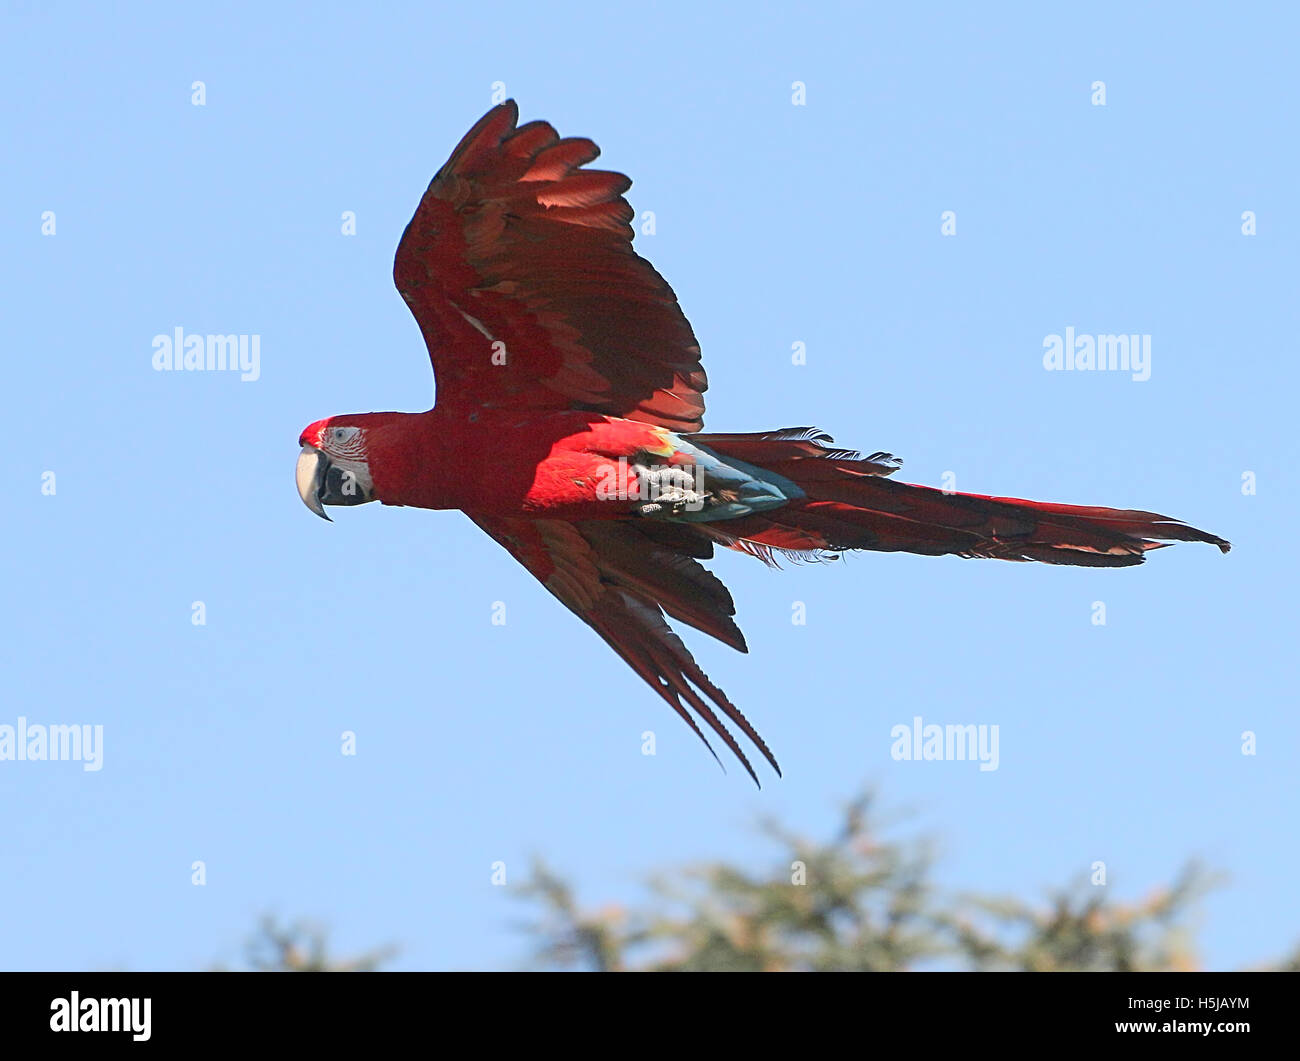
[334, 467]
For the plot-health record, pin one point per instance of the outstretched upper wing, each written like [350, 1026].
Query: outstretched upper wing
[519, 268]
[620, 580]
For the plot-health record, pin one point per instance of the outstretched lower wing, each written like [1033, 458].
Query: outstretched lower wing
[519, 268]
[620, 581]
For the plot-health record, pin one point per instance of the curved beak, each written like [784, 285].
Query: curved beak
[313, 467]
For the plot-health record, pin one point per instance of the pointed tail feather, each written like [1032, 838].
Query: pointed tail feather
[849, 504]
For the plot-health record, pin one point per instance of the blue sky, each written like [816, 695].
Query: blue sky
[776, 224]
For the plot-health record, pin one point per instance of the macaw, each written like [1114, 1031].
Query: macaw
[569, 427]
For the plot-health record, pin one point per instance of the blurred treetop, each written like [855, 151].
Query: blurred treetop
[858, 902]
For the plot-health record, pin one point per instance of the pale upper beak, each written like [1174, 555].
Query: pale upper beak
[324, 480]
[311, 472]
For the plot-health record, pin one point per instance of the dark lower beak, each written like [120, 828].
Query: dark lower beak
[321, 482]
[312, 473]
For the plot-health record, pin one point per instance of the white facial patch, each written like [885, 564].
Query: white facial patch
[346, 448]
[341, 436]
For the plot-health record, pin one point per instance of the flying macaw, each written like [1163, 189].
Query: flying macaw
[570, 403]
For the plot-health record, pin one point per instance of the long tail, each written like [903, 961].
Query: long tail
[849, 504]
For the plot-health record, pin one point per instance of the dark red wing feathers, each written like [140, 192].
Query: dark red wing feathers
[620, 583]
[515, 243]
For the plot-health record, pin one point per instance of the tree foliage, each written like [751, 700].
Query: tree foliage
[859, 902]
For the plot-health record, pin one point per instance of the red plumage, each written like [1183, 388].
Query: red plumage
[569, 420]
